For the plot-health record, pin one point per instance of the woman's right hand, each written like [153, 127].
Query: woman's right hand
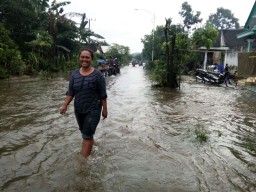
[63, 109]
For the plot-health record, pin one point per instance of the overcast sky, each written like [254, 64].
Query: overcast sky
[120, 23]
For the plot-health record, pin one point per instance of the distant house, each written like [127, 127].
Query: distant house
[247, 60]
[235, 47]
[225, 49]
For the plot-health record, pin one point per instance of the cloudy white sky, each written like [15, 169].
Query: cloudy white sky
[119, 22]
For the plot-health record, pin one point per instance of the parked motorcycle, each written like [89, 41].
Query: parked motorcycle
[216, 78]
[209, 76]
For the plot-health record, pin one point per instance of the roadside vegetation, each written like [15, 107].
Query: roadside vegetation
[39, 38]
[176, 46]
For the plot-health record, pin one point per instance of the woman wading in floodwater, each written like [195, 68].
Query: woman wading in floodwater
[87, 85]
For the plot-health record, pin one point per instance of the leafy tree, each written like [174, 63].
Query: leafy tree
[147, 48]
[157, 44]
[10, 58]
[67, 38]
[40, 50]
[184, 58]
[20, 19]
[122, 53]
[223, 19]
[55, 15]
[189, 18]
[205, 36]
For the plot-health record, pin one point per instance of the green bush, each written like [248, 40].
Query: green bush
[160, 74]
[3, 73]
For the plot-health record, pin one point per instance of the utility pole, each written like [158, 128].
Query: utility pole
[89, 21]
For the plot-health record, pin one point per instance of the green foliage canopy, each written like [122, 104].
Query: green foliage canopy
[205, 36]
[189, 18]
[223, 19]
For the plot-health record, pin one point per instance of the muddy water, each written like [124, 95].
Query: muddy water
[198, 138]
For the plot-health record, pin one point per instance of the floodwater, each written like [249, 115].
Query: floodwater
[198, 138]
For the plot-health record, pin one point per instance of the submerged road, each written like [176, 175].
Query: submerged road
[198, 138]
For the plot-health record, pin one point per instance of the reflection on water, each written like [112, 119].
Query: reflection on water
[149, 142]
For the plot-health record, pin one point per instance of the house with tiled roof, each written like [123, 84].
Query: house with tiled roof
[227, 38]
[236, 47]
[225, 49]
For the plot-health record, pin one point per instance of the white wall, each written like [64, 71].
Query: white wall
[232, 61]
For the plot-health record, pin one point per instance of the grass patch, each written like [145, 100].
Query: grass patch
[201, 134]
[250, 146]
[219, 133]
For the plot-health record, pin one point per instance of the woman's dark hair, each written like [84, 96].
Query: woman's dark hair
[87, 49]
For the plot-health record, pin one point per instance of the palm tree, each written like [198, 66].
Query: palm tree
[85, 35]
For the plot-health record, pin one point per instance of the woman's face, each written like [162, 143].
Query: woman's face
[85, 59]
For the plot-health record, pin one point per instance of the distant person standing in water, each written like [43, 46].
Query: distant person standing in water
[226, 75]
[87, 85]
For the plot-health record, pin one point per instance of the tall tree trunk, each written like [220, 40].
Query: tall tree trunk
[172, 77]
[167, 50]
